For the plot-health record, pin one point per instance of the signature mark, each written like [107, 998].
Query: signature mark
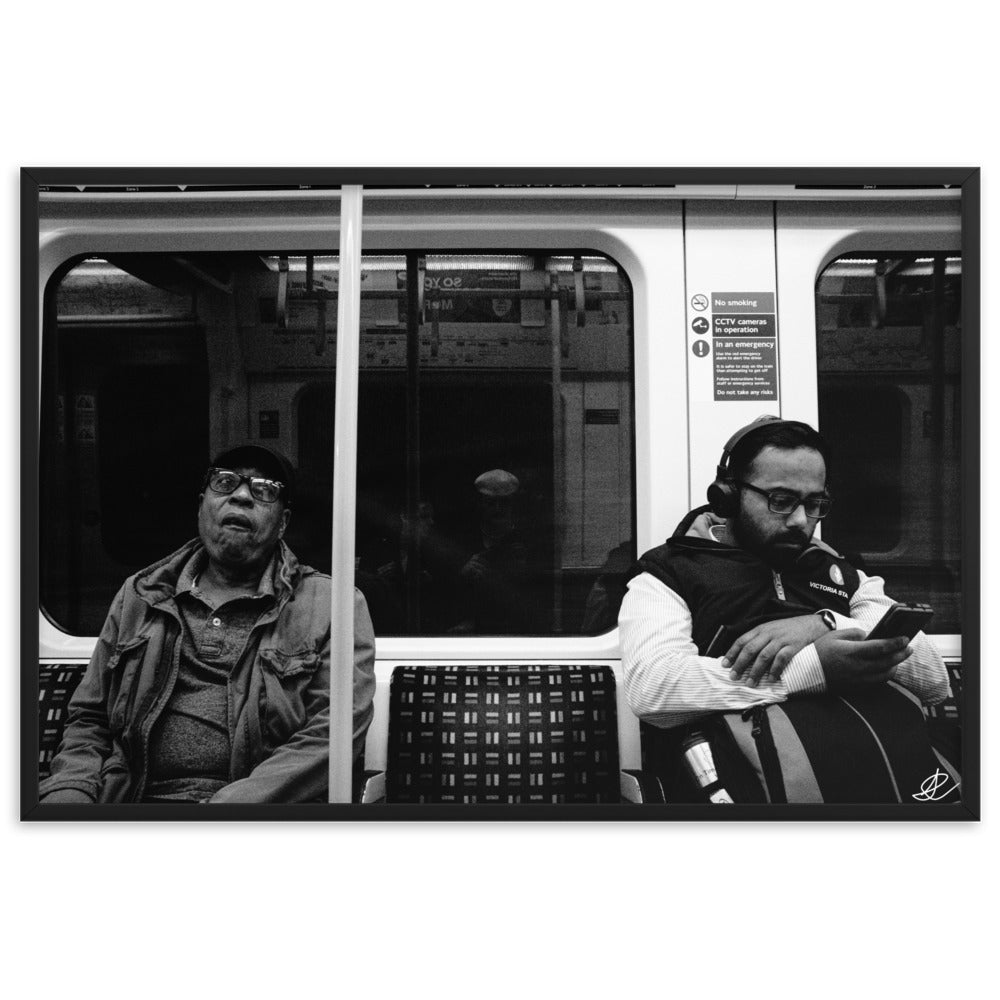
[933, 788]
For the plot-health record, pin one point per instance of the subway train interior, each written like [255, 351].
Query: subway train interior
[596, 345]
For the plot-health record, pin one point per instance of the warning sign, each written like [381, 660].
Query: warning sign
[744, 346]
[743, 302]
[745, 369]
[743, 326]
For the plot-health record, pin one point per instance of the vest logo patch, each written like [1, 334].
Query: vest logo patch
[836, 575]
[830, 590]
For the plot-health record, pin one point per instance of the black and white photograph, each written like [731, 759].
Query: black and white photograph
[499, 500]
[437, 494]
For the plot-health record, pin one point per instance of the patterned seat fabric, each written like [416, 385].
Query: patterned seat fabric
[948, 709]
[56, 684]
[572, 758]
[944, 721]
[505, 734]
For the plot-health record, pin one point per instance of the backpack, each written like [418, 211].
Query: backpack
[866, 746]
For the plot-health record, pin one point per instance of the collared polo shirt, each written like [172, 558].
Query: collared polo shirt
[190, 746]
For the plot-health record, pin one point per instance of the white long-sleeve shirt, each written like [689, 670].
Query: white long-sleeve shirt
[667, 683]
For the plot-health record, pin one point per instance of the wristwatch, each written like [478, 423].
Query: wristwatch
[828, 619]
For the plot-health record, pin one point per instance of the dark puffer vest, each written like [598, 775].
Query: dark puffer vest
[726, 585]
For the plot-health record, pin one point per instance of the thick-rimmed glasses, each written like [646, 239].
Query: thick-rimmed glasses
[783, 502]
[225, 481]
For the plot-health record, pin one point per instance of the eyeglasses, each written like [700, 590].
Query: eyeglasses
[782, 502]
[225, 481]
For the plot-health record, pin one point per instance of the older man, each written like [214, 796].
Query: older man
[798, 613]
[210, 681]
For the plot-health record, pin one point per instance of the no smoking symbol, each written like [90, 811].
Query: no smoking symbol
[699, 302]
[700, 325]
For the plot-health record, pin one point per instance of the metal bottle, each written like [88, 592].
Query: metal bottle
[700, 764]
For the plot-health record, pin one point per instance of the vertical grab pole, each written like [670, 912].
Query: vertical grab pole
[558, 453]
[345, 474]
[415, 270]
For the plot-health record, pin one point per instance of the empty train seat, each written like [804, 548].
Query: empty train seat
[526, 733]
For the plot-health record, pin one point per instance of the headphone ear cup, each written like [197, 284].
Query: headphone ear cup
[723, 498]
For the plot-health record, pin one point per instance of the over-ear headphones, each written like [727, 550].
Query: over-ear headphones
[723, 494]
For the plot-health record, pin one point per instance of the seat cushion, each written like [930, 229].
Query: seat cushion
[507, 734]
[56, 684]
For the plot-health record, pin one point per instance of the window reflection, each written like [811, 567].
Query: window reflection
[888, 344]
[517, 364]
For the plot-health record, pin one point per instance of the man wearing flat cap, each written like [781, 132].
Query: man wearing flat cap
[210, 681]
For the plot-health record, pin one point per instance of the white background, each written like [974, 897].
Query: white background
[461, 910]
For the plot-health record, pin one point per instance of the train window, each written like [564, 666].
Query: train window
[495, 486]
[122, 350]
[888, 345]
[518, 366]
[151, 362]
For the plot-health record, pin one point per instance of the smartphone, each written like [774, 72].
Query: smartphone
[902, 619]
[723, 639]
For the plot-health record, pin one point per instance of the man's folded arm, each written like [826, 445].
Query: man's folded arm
[668, 683]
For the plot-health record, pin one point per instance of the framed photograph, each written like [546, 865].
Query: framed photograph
[618, 494]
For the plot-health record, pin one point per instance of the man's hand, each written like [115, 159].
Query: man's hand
[765, 651]
[849, 660]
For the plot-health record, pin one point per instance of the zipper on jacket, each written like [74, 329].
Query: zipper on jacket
[779, 587]
[130, 694]
[770, 765]
[129, 707]
[152, 715]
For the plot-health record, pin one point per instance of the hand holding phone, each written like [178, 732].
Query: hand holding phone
[902, 620]
[849, 660]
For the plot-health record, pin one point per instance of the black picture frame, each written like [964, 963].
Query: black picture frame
[35, 180]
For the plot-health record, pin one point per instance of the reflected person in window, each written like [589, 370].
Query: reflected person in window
[210, 680]
[438, 563]
[495, 581]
